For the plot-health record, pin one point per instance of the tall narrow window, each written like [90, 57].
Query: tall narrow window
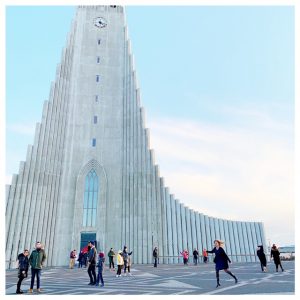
[90, 199]
[96, 98]
[95, 119]
[94, 142]
[99, 41]
[97, 78]
[98, 59]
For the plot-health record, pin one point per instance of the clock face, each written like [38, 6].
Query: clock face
[100, 22]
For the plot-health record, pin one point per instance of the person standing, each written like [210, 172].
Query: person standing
[111, 255]
[120, 263]
[125, 255]
[195, 256]
[221, 260]
[276, 255]
[80, 259]
[100, 266]
[92, 257]
[262, 258]
[72, 259]
[205, 256]
[36, 261]
[155, 256]
[185, 255]
[23, 264]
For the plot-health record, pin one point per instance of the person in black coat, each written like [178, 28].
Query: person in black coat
[155, 256]
[221, 260]
[23, 265]
[195, 255]
[262, 258]
[276, 255]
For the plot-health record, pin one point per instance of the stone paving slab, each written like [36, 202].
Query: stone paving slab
[165, 280]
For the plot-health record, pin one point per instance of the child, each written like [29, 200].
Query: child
[100, 266]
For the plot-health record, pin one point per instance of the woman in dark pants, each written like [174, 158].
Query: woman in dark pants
[276, 254]
[262, 258]
[221, 260]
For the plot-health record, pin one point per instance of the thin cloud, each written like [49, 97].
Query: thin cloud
[234, 173]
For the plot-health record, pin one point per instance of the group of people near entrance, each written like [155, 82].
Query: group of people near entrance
[37, 258]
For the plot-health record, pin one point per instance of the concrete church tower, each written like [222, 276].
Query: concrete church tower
[90, 174]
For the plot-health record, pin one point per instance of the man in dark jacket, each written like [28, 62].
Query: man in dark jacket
[23, 265]
[155, 256]
[36, 261]
[111, 255]
[92, 258]
[195, 255]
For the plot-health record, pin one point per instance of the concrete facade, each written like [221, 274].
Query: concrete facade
[93, 125]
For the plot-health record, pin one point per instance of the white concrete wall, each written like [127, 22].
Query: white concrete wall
[134, 208]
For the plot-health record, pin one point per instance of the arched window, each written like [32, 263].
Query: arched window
[90, 199]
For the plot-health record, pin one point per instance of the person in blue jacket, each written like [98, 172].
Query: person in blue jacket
[100, 265]
[221, 260]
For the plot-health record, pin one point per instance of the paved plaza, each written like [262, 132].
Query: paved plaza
[165, 280]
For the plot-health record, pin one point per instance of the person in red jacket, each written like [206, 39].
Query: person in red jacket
[185, 255]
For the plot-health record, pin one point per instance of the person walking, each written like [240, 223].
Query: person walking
[126, 255]
[72, 259]
[36, 261]
[120, 263]
[185, 255]
[92, 257]
[276, 255]
[23, 264]
[155, 256]
[100, 265]
[262, 258]
[195, 256]
[221, 260]
[111, 255]
[205, 256]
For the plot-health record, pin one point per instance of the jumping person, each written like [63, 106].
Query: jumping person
[221, 260]
[23, 265]
[262, 258]
[276, 255]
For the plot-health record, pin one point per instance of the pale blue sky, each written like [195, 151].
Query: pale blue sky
[223, 73]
